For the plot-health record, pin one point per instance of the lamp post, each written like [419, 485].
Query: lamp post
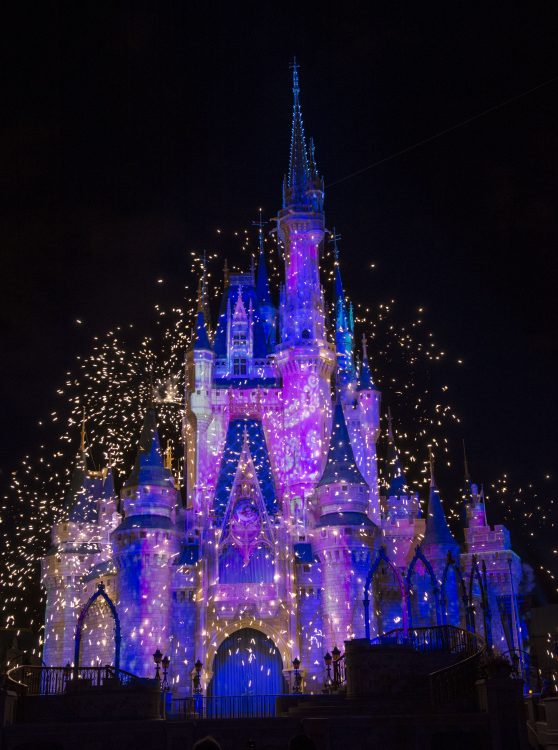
[327, 684]
[165, 662]
[335, 654]
[157, 658]
[297, 687]
[196, 679]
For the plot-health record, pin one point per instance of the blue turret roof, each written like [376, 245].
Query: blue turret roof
[202, 339]
[365, 382]
[149, 466]
[437, 531]
[85, 491]
[341, 465]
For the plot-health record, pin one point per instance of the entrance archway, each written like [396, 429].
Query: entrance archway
[247, 663]
[77, 644]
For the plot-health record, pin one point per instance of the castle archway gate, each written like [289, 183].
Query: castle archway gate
[247, 663]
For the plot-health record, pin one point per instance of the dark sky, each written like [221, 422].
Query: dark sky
[130, 132]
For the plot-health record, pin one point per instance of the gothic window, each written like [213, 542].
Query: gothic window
[239, 366]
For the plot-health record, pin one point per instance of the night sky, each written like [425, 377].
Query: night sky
[130, 133]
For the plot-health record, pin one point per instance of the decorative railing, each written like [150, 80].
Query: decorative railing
[225, 707]
[38, 680]
[456, 684]
[452, 684]
[448, 638]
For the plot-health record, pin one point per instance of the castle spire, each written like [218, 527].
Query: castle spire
[149, 466]
[82, 448]
[341, 465]
[201, 340]
[466, 474]
[298, 162]
[343, 332]
[365, 381]
[437, 531]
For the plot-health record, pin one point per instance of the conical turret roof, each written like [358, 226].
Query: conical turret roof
[341, 465]
[149, 466]
[437, 531]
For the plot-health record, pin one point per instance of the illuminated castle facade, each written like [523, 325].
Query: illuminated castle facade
[288, 544]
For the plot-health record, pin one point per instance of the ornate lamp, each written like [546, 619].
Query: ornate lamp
[297, 687]
[157, 658]
[327, 684]
[165, 662]
[335, 654]
[197, 678]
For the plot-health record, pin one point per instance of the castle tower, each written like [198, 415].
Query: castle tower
[488, 550]
[145, 546]
[344, 536]
[363, 420]
[400, 506]
[438, 539]
[80, 542]
[199, 382]
[305, 358]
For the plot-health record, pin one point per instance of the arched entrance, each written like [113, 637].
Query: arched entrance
[117, 637]
[247, 663]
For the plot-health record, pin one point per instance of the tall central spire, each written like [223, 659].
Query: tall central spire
[302, 187]
[298, 164]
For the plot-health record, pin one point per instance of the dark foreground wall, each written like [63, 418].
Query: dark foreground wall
[331, 733]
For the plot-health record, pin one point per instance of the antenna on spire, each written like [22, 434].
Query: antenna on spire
[333, 240]
[466, 465]
[390, 423]
[365, 350]
[294, 66]
[260, 224]
[168, 456]
[431, 462]
[82, 440]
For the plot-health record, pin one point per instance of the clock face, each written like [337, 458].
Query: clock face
[245, 528]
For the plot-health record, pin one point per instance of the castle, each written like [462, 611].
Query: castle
[287, 544]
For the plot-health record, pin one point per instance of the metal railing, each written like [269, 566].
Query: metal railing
[456, 684]
[38, 680]
[225, 707]
[448, 638]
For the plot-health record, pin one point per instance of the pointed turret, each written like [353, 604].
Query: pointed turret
[299, 171]
[87, 488]
[343, 328]
[437, 532]
[201, 340]
[341, 465]
[302, 187]
[149, 466]
[365, 382]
